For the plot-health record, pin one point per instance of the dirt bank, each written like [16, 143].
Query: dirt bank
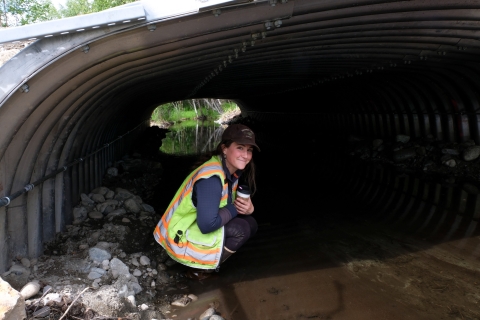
[8, 50]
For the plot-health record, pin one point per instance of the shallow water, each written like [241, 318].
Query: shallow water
[192, 137]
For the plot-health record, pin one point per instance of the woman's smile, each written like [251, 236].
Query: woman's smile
[237, 156]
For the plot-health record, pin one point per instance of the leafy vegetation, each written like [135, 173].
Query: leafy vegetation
[191, 137]
[192, 109]
[21, 12]
[77, 7]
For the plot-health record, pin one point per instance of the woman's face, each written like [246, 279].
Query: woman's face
[237, 156]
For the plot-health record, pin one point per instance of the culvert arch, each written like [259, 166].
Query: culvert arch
[369, 68]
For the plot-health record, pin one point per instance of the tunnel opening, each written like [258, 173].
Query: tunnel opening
[194, 126]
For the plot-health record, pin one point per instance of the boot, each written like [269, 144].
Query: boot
[226, 254]
[198, 274]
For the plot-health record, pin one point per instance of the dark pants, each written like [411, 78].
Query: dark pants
[239, 230]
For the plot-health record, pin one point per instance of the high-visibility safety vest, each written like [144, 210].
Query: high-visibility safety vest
[178, 232]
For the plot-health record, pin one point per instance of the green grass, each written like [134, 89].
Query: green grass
[229, 106]
[181, 111]
[189, 124]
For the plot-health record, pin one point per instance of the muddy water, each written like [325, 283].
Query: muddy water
[319, 255]
[317, 268]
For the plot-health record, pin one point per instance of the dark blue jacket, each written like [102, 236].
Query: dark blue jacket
[206, 197]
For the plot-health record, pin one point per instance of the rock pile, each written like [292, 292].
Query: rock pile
[103, 203]
[421, 155]
[106, 264]
[136, 174]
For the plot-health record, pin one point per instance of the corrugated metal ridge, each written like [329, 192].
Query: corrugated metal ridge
[126, 15]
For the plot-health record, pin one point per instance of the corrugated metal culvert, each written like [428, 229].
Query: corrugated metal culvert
[370, 68]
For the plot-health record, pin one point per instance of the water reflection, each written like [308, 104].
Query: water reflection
[192, 137]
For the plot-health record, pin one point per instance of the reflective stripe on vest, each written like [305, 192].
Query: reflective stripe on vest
[192, 248]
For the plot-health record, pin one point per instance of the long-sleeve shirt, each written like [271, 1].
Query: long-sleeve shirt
[206, 197]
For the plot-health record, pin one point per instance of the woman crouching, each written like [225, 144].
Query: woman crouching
[206, 222]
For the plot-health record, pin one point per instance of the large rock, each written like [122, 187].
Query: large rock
[118, 268]
[144, 261]
[94, 275]
[116, 213]
[137, 273]
[80, 214]
[148, 208]
[207, 314]
[108, 210]
[450, 163]
[86, 200]
[12, 304]
[471, 153]
[110, 194]
[101, 190]
[30, 289]
[123, 194]
[132, 206]
[95, 215]
[99, 254]
[98, 198]
[102, 206]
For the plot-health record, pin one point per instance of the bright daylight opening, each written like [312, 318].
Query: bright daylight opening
[195, 126]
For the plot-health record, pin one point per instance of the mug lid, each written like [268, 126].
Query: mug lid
[243, 189]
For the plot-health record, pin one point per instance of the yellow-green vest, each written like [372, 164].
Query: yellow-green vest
[177, 231]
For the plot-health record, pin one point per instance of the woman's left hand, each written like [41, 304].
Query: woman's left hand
[244, 206]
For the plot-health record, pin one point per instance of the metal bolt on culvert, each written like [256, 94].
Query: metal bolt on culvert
[25, 88]
[152, 27]
[278, 23]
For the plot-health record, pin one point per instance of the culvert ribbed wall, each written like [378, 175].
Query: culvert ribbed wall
[374, 69]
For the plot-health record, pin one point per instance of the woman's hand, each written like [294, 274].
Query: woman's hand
[244, 206]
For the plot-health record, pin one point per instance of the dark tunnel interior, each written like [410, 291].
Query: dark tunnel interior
[308, 75]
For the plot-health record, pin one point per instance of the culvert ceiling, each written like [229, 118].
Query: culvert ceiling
[372, 68]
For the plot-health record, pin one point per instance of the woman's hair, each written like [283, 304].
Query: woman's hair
[248, 174]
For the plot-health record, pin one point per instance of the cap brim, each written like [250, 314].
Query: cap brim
[249, 143]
